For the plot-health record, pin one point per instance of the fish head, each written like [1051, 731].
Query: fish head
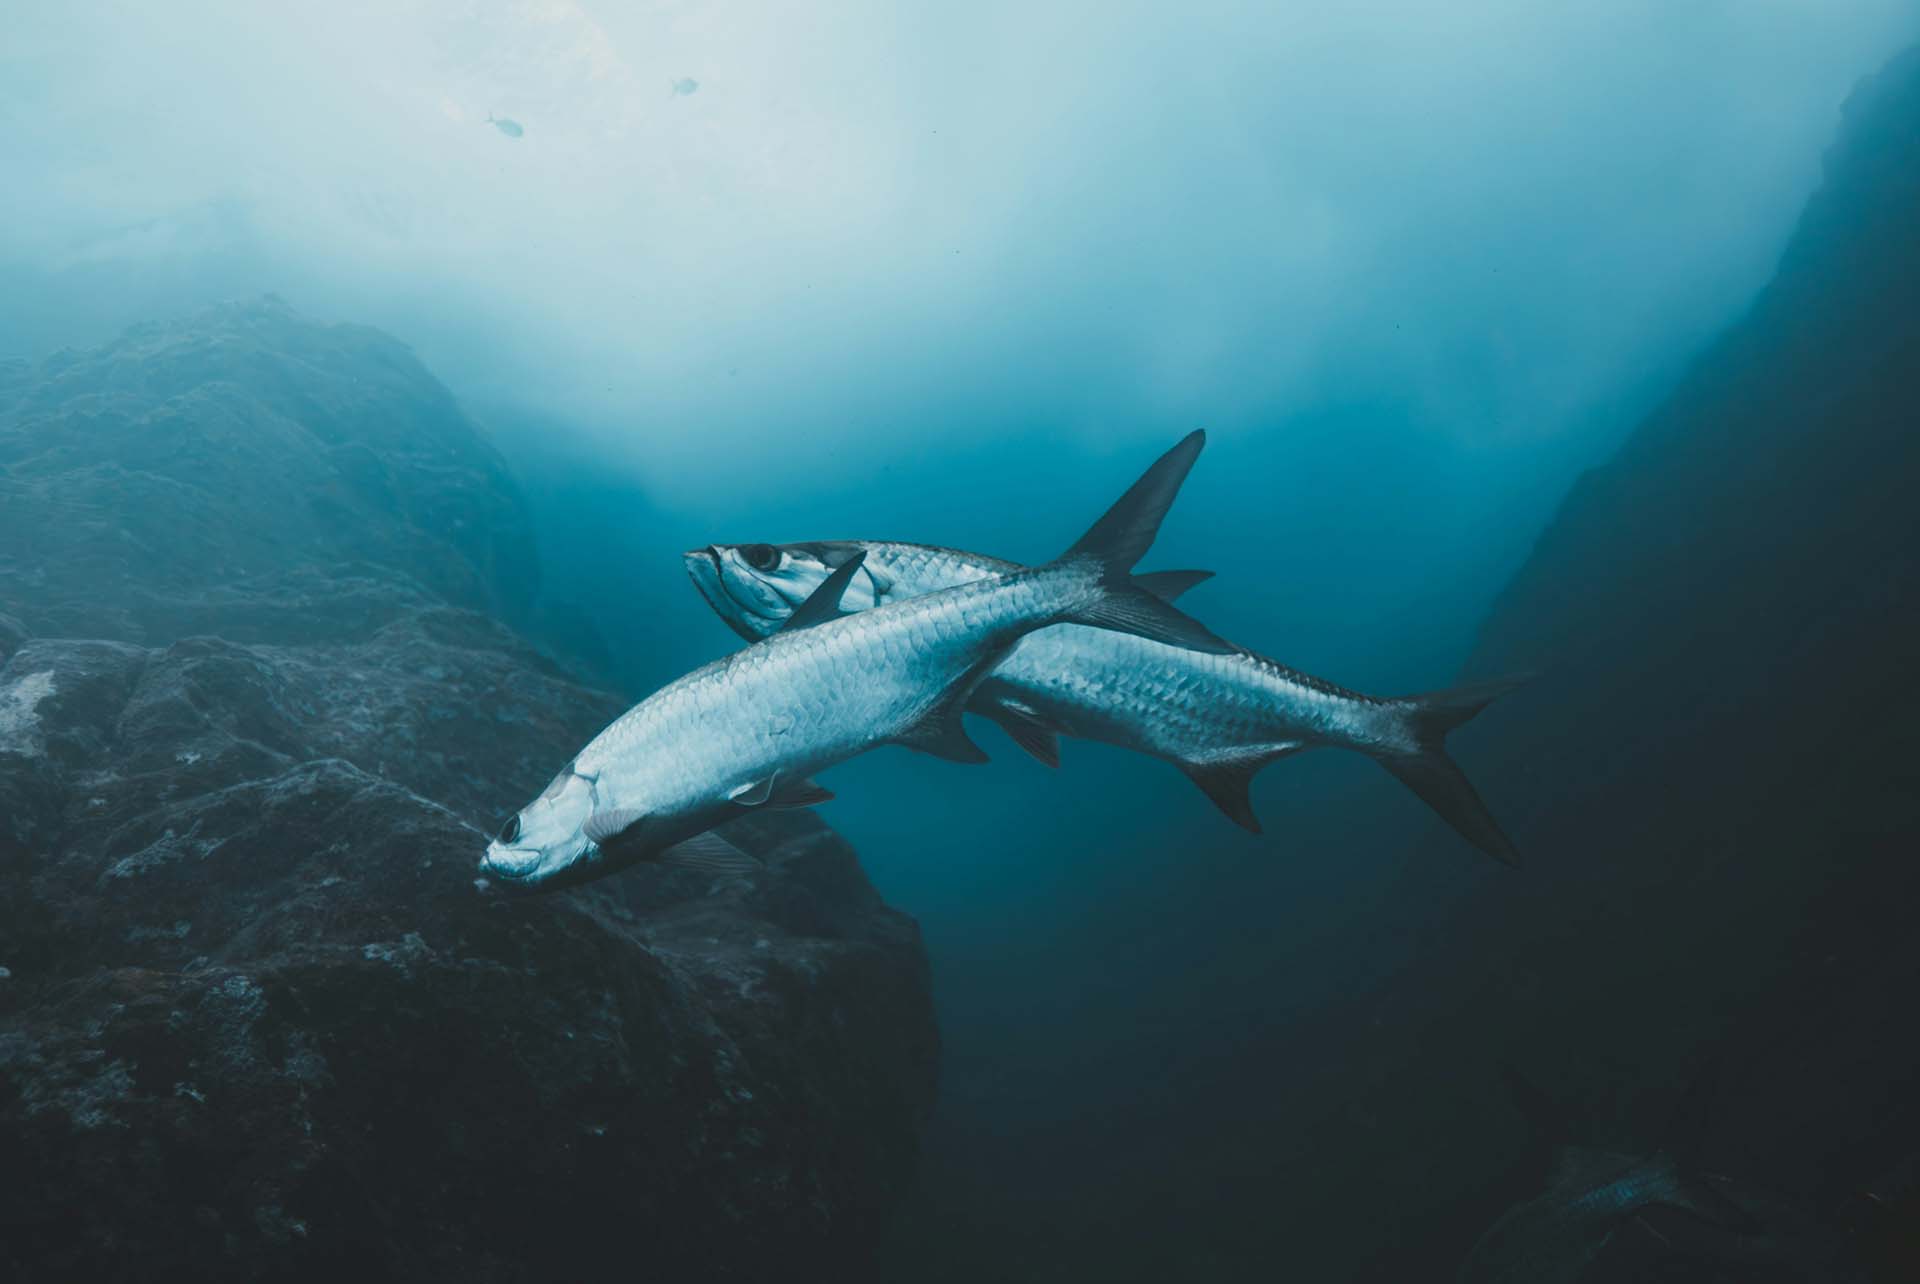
[756, 587]
[544, 844]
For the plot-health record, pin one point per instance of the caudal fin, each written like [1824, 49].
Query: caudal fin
[1117, 542]
[1430, 773]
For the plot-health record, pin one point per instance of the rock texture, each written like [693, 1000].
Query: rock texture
[1712, 949]
[258, 1020]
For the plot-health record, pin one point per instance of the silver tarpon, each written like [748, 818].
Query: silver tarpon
[751, 729]
[1218, 717]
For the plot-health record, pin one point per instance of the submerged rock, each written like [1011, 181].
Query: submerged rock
[1717, 941]
[248, 472]
[261, 1021]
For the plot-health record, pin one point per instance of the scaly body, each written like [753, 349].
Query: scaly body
[1184, 706]
[750, 730]
[806, 700]
[1219, 717]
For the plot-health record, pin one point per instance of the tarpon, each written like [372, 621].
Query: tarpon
[750, 730]
[1608, 1213]
[1591, 1198]
[1218, 717]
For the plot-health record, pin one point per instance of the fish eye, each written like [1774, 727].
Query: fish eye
[510, 830]
[761, 557]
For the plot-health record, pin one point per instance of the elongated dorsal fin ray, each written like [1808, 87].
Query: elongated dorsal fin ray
[1132, 610]
[1169, 585]
[823, 603]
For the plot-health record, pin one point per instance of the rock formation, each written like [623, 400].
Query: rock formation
[260, 694]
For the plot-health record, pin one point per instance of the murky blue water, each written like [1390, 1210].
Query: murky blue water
[955, 279]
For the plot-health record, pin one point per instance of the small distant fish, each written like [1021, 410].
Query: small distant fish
[511, 128]
[682, 87]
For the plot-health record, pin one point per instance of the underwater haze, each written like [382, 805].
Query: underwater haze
[1528, 339]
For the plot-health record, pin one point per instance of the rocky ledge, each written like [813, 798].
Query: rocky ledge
[258, 1017]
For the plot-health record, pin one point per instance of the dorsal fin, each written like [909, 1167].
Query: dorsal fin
[1169, 585]
[1120, 539]
[1124, 533]
[823, 603]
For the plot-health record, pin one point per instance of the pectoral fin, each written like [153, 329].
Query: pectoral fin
[754, 793]
[823, 603]
[1228, 780]
[710, 854]
[1019, 720]
[605, 827]
[780, 791]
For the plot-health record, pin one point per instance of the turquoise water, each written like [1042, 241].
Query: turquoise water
[956, 279]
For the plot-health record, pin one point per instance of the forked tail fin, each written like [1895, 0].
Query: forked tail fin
[1121, 538]
[1430, 773]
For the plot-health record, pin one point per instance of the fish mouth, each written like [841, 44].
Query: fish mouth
[537, 875]
[514, 866]
[705, 569]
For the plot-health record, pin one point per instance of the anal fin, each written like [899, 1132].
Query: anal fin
[1228, 779]
[943, 735]
[940, 732]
